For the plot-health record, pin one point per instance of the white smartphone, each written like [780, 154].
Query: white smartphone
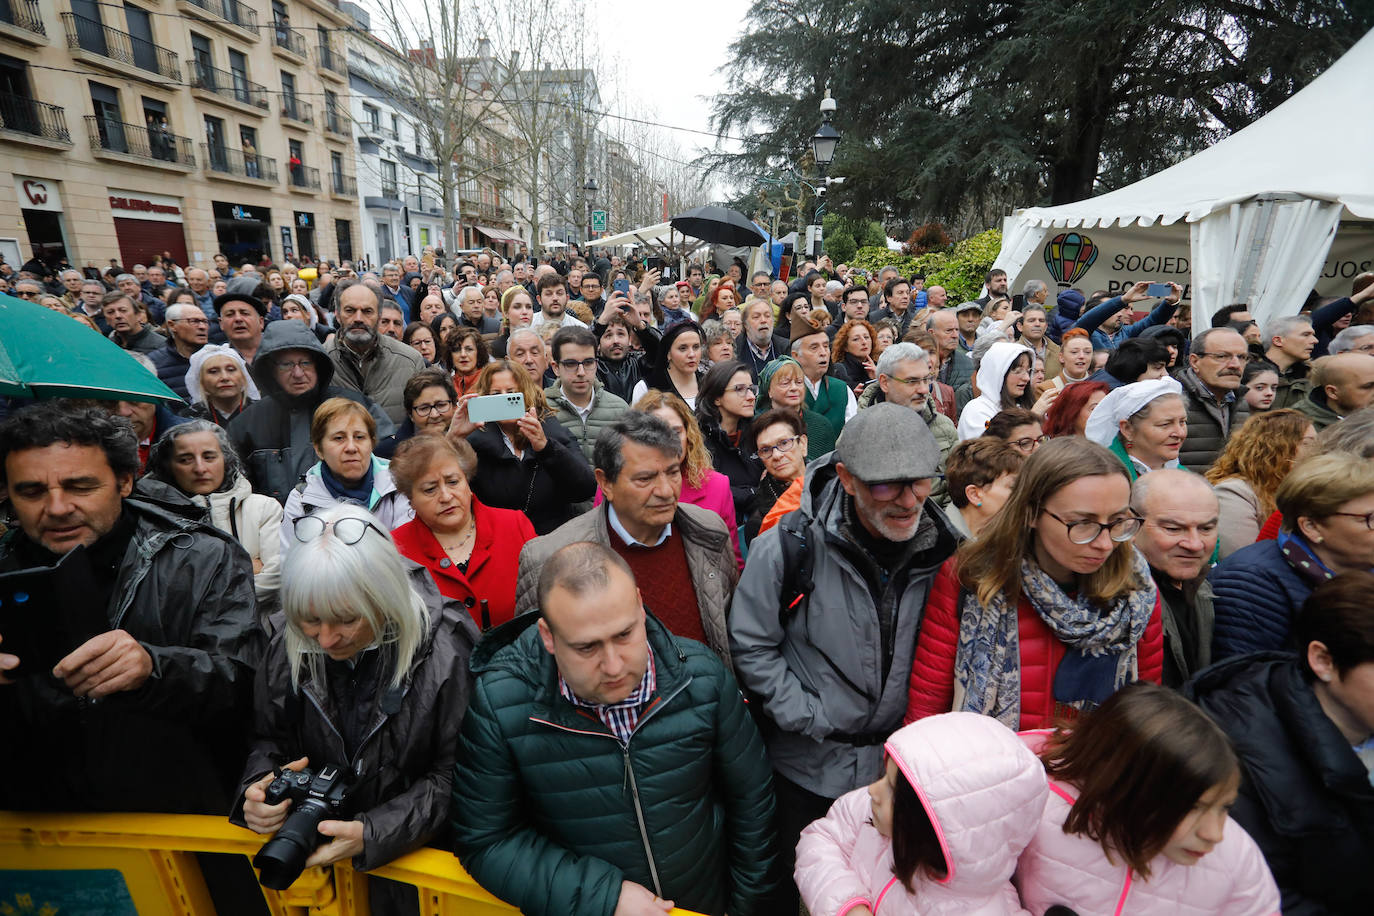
[492, 408]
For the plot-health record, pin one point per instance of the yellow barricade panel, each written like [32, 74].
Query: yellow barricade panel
[144, 865]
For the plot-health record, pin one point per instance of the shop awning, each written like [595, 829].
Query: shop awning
[499, 235]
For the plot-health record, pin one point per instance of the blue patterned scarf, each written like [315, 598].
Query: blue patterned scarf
[987, 664]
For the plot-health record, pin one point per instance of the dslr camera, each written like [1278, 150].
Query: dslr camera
[317, 796]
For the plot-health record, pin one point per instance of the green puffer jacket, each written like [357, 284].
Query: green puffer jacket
[606, 409]
[547, 803]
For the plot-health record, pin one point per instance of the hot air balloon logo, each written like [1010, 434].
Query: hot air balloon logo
[1068, 256]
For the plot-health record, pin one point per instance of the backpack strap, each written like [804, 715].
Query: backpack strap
[797, 581]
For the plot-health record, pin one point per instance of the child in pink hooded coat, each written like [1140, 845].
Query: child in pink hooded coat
[939, 833]
[1135, 823]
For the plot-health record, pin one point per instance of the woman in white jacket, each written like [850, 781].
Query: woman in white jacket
[940, 833]
[1003, 381]
[197, 458]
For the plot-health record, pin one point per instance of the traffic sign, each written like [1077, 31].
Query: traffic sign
[598, 220]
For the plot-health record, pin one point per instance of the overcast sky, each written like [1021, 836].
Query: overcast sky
[672, 55]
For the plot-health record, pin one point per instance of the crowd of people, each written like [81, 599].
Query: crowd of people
[722, 592]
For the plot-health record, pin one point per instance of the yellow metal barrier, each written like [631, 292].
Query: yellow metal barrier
[144, 865]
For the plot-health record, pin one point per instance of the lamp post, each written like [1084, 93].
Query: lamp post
[823, 151]
[589, 191]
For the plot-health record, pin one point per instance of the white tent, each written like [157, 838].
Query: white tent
[1261, 207]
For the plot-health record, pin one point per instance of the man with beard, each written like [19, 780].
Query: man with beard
[272, 435]
[872, 543]
[364, 360]
[1210, 392]
[1178, 538]
[553, 303]
[620, 366]
[242, 317]
[758, 345]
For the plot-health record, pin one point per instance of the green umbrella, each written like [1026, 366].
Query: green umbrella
[46, 354]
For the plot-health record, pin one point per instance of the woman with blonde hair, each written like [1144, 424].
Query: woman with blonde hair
[370, 672]
[1247, 474]
[702, 484]
[1050, 610]
[531, 464]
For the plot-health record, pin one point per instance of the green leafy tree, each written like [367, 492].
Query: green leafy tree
[956, 110]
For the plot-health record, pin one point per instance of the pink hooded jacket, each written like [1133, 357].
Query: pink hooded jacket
[1057, 868]
[983, 790]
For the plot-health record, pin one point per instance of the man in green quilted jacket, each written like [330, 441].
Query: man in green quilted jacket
[608, 767]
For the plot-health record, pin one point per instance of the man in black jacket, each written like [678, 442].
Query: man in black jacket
[758, 345]
[151, 713]
[619, 365]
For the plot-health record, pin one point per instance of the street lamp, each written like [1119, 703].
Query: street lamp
[589, 191]
[827, 137]
[823, 151]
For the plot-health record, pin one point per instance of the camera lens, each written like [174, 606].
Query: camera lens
[282, 858]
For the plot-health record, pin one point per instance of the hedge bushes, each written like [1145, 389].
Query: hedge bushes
[959, 269]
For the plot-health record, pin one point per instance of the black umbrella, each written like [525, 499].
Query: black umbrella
[720, 225]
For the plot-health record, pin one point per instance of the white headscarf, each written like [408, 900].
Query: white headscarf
[1123, 403]
[198, 358]
[304, 303]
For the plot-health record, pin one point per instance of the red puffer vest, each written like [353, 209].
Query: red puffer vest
[931, 689]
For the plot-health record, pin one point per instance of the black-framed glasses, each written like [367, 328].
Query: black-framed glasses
[782, 447]
[348, 530]
[425, 410]
[1367, 517]
[572, 365]
[1086, 530]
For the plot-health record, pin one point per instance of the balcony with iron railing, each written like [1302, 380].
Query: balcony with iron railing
[293, 109]
[230, 12]
[33, 119]
[118, 140]
[332, 62]
[22, 19]
[335, 123]
[303, 178]
[229, 86]
[112, 48]
[343, 185]
[285, 38]
[222, 162]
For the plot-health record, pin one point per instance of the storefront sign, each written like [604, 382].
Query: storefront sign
[241, 212]
[305, 220]
[140, 205]
[37, 194]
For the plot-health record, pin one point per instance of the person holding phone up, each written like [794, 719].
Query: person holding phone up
[1109, 322]
[531, 463]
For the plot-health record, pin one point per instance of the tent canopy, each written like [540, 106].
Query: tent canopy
[1313, 145]
[1260, 208]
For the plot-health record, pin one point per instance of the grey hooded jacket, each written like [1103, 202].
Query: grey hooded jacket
[272, 436]
[832, 678]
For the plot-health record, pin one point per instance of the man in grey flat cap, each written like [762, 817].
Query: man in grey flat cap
[824, 620]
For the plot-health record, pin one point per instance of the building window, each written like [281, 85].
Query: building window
[343, 233]
[390, 187]
[374, 118]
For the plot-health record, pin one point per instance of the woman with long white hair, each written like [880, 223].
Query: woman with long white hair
[366, 676]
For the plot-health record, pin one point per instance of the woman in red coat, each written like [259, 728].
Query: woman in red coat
[1051, 610]
[471, 550]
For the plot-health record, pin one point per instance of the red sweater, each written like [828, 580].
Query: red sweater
[492, 568]
[665, 584]
[931, 689]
